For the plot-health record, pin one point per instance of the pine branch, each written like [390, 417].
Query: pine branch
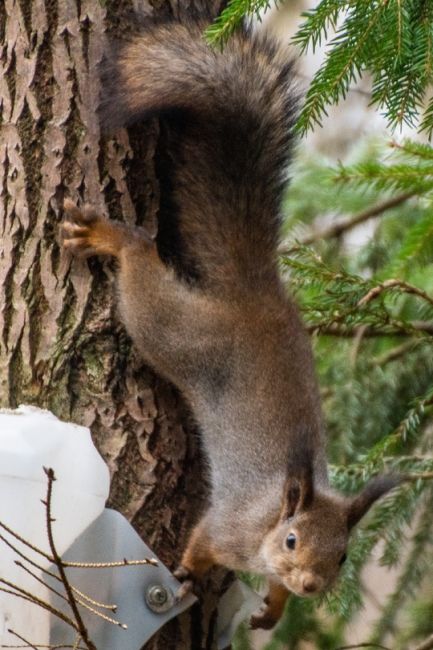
[391, 39]
[342, 225]
[411, 576]
[231, 18]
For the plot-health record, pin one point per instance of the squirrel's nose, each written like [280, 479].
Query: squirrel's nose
[310, 584]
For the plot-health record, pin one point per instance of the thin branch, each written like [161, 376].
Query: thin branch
[25, 542]
[108, 565]
[58, 562]
[40, 580]
[395, 353]
[347, 223]
[341, 330]
[363, 645]
[25, 595]
[391, 283]
[108, 619]
[415, 477]
[104, 617]
[425, 645]
[39, 646]
[79, 593]
[21, 638]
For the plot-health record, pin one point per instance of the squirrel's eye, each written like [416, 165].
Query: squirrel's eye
[291, 541]
[342, 559]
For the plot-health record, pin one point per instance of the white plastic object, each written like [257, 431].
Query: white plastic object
[30, 439]
[235, 606]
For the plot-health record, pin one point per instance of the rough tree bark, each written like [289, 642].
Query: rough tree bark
[60, 345]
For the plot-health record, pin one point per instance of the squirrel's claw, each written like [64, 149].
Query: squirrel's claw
[185, 577]
[86, 233]
[82, 216]
[263, 620]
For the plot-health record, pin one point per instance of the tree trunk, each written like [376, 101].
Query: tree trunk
[60, 345]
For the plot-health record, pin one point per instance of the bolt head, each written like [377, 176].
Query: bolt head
[159, 598]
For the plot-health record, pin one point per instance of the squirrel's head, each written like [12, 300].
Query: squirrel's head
[307, 546]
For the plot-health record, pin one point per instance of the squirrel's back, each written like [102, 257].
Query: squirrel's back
[227, 129]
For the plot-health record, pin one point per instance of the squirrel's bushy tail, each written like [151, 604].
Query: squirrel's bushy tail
[227, 124]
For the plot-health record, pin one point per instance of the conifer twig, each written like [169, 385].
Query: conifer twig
[343, 224]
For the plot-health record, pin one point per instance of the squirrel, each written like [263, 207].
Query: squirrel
[215, 318]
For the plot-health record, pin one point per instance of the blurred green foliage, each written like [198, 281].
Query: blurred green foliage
[368, 303]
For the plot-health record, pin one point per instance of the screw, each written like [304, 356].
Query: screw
[159, 598]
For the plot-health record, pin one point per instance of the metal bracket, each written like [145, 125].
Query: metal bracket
[144, 595]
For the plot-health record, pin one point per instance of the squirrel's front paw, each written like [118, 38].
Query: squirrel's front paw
[186, 578]
[264, 619]
[78, 229]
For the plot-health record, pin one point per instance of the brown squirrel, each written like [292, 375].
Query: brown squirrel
[215, 318]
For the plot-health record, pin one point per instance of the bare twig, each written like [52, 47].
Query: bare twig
[79, 593]
[363, 645]
[415, 477]
[70, 597]
[25, 542]
[59, 564]
[391, 283]
[40, 580]
[21, 638]
[335, 329]
[347, 223]
[425, 645]
[357, 343]
[80, 602]
[25, 595]
[395, 353]
[39, 646]
[108, 565]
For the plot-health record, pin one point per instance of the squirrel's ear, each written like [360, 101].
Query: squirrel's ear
[298, 494]
[376, 488]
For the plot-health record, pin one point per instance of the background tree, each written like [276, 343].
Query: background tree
[60, 346]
